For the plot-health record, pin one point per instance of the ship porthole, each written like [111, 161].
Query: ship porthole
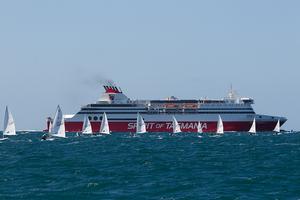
[95, 118]
[90, 118]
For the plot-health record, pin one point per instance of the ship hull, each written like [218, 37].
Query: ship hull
[236, 126]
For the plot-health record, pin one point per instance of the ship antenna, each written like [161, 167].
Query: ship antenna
[231, 92]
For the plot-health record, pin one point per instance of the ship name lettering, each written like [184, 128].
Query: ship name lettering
[169, 125]
[131, 126]
[158, 126]
[204, 126]
[149, 125]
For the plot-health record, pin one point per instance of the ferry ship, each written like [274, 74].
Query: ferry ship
[237, 114]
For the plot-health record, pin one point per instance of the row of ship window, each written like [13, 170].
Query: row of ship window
[171, 112]
[159, 108]
[94, 118]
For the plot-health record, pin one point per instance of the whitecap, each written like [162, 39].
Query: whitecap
[287, 144]
[96, 135]
[92, 185]
[75, 142]
[215, 136]
[160, 138]
[48, 139]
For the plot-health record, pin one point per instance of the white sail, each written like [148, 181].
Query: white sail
[253, 127]
[176, 126]
[104, 128]
[199, 127]
[58, 126]
[140, 124]
[9, 124]
[87, 127]
[277, 127]
[220, 127]
[50, 127]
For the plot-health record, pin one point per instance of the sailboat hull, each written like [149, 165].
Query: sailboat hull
[9, 134]
[58, 136]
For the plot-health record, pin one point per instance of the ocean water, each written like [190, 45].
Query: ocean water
[151, 166]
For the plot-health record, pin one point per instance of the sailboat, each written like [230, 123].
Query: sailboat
[277, 127]
[253, 127]
[9, 124]
[104, 128]
[140, 124]
[58, 126]
[220, 126]
[176, 126]
[199, 128]
[87, 128]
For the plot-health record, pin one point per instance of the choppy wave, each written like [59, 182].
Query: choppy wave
[151, 166]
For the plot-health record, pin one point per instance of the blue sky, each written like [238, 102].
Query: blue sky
[57, 52]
